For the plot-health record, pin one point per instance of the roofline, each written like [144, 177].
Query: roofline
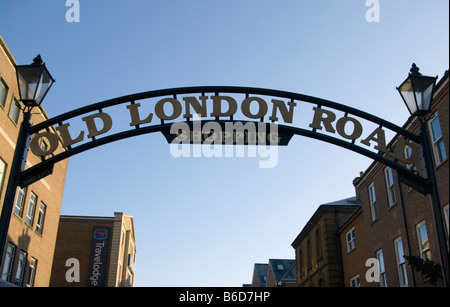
[7, 51]
[350, 218]
[320, 208]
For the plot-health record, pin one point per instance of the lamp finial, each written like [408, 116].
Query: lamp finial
[414, 71]
[37, 60]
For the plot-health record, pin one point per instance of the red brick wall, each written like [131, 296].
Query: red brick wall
[410, 209]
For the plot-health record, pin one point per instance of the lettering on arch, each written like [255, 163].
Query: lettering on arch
[294, 114]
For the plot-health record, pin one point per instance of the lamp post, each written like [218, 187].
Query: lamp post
[34, 81]
[417, 93]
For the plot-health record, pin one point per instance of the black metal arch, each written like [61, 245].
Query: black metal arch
[225, 89]
[44, 167]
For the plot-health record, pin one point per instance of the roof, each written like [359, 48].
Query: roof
[284, 270]
[344, 203]
[351, 201]
[261, 272]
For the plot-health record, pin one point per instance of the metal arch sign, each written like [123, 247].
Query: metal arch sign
[197, 115]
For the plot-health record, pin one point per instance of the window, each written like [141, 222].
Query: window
[119, 275]
[300, 262]
[20, 200]
[8, 263]
[2, 173]
[318, 245]
[3, 92]
[355, 281]
[20, 268]
[424, 244]
[401, 263]
[351, 240]
[280, 266]
[308, 255]
[31, 272]
[41, 218]
[380, 258]
[446, 219]
[390, 186]
[31, 209]
[14, 111]
[373, 202]
[408, 153]
[438, 142]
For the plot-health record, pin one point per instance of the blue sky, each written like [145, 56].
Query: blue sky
[200, 221]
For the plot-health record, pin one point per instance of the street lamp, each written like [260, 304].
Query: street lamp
[417, 92]
[34, 81]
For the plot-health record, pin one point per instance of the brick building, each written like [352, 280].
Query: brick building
[317, 247]
[399, 220]
[32, 232]
[354, 250]
[96, 251]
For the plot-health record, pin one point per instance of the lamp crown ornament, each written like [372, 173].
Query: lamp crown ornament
[37, 60]
[414, 71]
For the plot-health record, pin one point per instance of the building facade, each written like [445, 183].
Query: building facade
[33, 228]
[317, 247]
[365, 241]
[399, 220]
[354, 250]
[95, 252]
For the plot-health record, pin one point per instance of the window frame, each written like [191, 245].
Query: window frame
[14, 105]
[373, 202]
[20, 270]
[401, 263]
[3, 167]
[425, 253]
[438, 157]
[446, 219]
[390, 186]
[41, 218]
[355, 281]
[351, 243]
[29, 219]
[19, 202]
[383, 282]
[318, 244]
[4, 96]
[8, 262]
[31, 272]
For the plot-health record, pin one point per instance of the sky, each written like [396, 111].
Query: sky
[207, 221]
